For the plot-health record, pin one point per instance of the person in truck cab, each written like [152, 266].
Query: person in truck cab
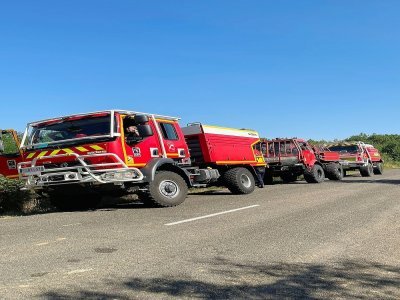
[132, 131]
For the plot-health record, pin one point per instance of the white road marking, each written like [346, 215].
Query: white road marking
[57, 240]
[79, 271]
[69, 225]
[43, 244]
[211, 215]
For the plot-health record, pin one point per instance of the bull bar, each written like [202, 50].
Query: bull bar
[112, 172]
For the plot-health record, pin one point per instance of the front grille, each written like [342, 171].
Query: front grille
[56, 178]
[61, 165]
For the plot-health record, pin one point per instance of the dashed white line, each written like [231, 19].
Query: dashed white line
[43, 244]
[211, 215]
[69, 225]
[46, 243]
[79, 271]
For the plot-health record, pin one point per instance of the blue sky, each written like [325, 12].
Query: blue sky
[312, 69]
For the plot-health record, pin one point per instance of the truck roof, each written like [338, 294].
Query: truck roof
[286, 139]
[197, 128]
[349, 143]
[121, 111]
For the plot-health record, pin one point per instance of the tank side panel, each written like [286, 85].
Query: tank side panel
[227, 149]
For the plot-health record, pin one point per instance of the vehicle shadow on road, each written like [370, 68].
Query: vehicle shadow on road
[225, 279]
[376, 181]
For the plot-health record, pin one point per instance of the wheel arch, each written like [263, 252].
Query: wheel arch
[175, 169]
[166, 164]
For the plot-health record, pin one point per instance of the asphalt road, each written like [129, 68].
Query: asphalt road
[329, 240]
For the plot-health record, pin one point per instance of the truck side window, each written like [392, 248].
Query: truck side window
[168, 131]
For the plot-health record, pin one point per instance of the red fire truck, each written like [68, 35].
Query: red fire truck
[95, 153]
[359, 156]
[289, 158]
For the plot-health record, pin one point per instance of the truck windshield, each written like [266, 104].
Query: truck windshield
[62, 130]
[344, 148]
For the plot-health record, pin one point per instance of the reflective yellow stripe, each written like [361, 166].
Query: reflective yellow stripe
[43, 153]
[12, 176]
[54, 152]
[165, 121]
[238, 162]
[138, 165]
[82, 149]
[31, 155]
[68, 151]
[96, 147]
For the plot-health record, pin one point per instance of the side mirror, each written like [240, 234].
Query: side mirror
[1, 147]
[145, 130]
[141, 119]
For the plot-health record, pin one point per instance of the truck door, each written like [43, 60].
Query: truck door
[307, 154]
[139, 151]
[10, 154]
[173, 139]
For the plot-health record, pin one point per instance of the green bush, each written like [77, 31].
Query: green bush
[12, 198]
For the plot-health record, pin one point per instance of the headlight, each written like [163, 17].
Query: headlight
[122, 175]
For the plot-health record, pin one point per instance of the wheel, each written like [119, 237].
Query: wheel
[239, 181]
[288, 177]
[334, 171]
[166, 190]
[367, 171]
[378, 169]
[315, 174]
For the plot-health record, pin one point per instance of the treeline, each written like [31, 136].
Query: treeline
[387, 144]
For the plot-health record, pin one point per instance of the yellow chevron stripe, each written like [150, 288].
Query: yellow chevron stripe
[43, 153]
[96, 147]
[238, 162]
[30, 155]
[54, 152]
[68, 151]
[12, 176]
[82, 149]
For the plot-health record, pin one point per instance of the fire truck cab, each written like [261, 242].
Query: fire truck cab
[134, 152]
[359, 156]
[289, 158]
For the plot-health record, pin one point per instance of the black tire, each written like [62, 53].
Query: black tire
[67, 202]
[239, 181]
[344, 173]
[334, 171]
[378, 169]
[367, 171]
[166, 190]
[288, 177]
[314, 175]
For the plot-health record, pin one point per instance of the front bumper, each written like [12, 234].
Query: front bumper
[116, 172]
